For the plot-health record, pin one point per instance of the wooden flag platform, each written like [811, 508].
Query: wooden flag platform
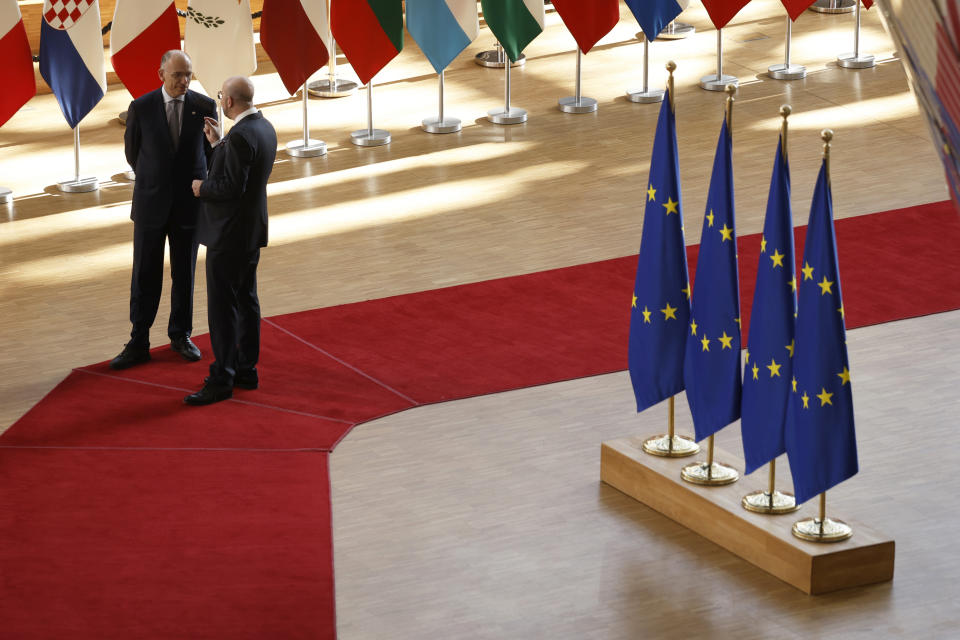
[763, 540]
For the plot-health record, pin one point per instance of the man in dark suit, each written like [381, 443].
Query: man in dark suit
[233, 226]
[166, 146]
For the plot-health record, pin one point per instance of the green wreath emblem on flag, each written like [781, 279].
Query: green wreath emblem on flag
[205, 20]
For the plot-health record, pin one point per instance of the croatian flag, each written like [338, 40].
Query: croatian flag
[142, 31]
[19, 82]
[442, 28]
[71, 56]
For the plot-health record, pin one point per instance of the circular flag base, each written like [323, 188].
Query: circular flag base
[501, 116]
[709, 474]
[828, 530]
[312, 149]
[574, 105]
[784, 72]
[6, 195]
[123, 118]
[677, 31]
[661, 446]
[646, 96]
[80, 185]
[764, 502]
[833, 6]
[364, 138]
[713, 83]
[493, 59]
[436, 125]
[850, 61]
[338, 89]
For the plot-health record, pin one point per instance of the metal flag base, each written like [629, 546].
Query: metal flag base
[6, 195]
[826, 530]
[787, 72]
[853, 61]
[765, 502]
[712, 474]
[572, 104]
[679, 448]
[655, 95]
[79, 185]
[677, 31]
[494, 61]
[336, 89]
[123, 118]
[370, 138]
[436, 125]
[312, 149]
[504, 116]
[713, 82]
[833, 6]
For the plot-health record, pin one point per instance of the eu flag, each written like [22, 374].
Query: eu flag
[820, 439]
[711, 368]
[767, 380]
[660, 310]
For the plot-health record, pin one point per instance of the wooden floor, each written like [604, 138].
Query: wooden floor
[485, 518]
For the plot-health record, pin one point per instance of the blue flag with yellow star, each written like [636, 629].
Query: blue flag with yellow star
[767, 380]
[820, 438]
[712, 363]
[660, 310]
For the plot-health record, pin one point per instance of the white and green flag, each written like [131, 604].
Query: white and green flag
[515, 23]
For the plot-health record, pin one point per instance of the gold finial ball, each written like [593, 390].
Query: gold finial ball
[826, 135]
[730, 89]
[785, 110]
[671, 66]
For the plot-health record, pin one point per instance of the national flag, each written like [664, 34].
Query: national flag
[866, 3]
[19, 84]
[293, 33]
[796, 7]
[654, 15]
[588, 21]
[442, 28]
[722, 11]
[660, 310]
[71, 56]
[770, 346]
[711, 368]
[370, 32]
[142, 31]
[218, 38]
[515, 23]
[820, 438]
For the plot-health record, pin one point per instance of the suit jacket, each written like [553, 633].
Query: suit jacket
[234, 195]
[162, 190]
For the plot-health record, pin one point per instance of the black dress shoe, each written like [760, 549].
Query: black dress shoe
[130, 356]
[209, 394]
[246, 379]
[186, 348]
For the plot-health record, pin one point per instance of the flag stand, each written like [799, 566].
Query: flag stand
[577, 103]
[495, 58]
[856, 60]
[441, 124]
[332, 87]
[822, 529]
[507, 115]
[709, 473]
[787, 71]
[370, 137]
[670, 445]
[833, 6]
[306, 148]
[78, 184]
[6, 195]
[771, 501]
[677, 31]
[646, 95]
[718, 81]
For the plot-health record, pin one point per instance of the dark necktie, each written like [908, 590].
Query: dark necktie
[173, 120]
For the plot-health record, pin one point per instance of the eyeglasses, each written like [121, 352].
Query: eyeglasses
[220, 95]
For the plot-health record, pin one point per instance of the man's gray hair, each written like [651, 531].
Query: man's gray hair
[169, 54]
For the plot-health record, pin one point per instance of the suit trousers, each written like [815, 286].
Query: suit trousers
[147, 281]
[233, 313]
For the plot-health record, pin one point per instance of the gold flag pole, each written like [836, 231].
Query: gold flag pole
[670, 445]
[771, 501]
[710, 472]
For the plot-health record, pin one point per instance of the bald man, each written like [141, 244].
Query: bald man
[233, 226]
[165, 144]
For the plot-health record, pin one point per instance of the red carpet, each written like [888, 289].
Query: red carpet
[126, 514]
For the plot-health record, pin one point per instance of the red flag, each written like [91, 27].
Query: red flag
[293, 35]
[796, 7]
[588, 21]
[722, 11]
[19, 83]
[142, 32]
[370, 32]
[866, 3]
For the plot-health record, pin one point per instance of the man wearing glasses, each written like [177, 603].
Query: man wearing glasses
[166, 147]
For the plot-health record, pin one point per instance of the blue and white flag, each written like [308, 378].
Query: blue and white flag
[654, 15]
[71, 56]
[442, 28]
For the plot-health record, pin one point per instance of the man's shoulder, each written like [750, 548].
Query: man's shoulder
[147, 98]
[201, 100]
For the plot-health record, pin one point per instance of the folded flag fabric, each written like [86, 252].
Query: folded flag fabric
[820, 437]
[515, 23]
[71, 56]
[711, 368]
[370, 32]
[796, 7]
[294, 33]
[770, 346]
[442, 28]
[722, 11]
[654, 15]
[660, 310]
[19, 83]
[219, 38]
[588, 21]
[142, 31]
